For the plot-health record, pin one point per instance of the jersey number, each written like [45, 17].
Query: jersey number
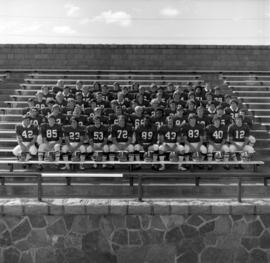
[122, 134]
[27, 134]
[218, 134]
[239, 134]
[98, 136]
[170, 136]
[147, 135]
[193, 133]
[51, 134]
[74, 135]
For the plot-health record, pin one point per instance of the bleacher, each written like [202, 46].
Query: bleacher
[15, 91]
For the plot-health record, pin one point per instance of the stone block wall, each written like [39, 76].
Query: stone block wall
[135, 57]
[113, 231]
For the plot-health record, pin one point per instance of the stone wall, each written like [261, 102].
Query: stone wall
[75, 230]
[157, 57]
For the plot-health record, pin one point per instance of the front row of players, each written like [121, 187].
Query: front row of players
[187, 142]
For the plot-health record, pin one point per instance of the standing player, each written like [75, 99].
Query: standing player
[193, 137]
[239, 139]
[51, 133]
[98, 135]
[170, 139]
[217, 136]
[26, 136]
[74, 137]
[145, 138]
[121, 139]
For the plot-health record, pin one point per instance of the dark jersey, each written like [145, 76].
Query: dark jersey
[204, 121]
[193, 134]
[136, 120]
[53, 133]
[74, 134]
[121, 134]
[169, 134]
[97, 134]
[27, 133]
[158, 121]
[103, 120]
[61, 119]
[231, 112]
[216, 135]
[219, 98]
[146, 135]
[225, 120]
[179, 121]
[238, 134]
[82, 120]
[40, 104]
[37, 121]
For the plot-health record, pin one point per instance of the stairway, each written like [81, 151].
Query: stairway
[254, 93]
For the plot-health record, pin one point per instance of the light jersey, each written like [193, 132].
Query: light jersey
[146, 135]
[97, 134]
[121, 134]
[238, 134]
[27, 133]
[136, 120]
[216, 135]
[170, 134]
[53, 133]
[193, 134]
[74, 134]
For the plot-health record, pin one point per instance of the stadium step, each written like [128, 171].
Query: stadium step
[5, 110]
[259, 111]
[248, 87]
[13, 103]
[7, 134]
[8, 125]
[246, 94]
[247, 82]
[10, 117]
[8, 142]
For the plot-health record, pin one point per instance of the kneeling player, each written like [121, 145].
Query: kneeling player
[121, 138]
[239, 139]
[193, 137]
[98, 135]
[26, 136]
[74, 136]
[216, 136]
[146, 140]
[170, 139]
[51, 133]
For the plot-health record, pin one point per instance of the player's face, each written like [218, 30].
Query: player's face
[118, 111]
[191, 106]
[85, 89]
[172, 106]
[40, 96]
[212, 107]
[26, 122]
[60, 83]
[77, 111]
[200, 112]
[45, 90]
[158, 114]
[238, 122]
[56, 110]
[220, 112]
[122, 121]
[59, 97]
[74, 123]
[51, 121]
[79, 98]
[120, 96]
[99, 97]
[97, 123]
[98, 112]
[139, 111]
[176, 96]
[180, 112]
[192, 122]
[217, 122]
[33, 113]
[234, 105]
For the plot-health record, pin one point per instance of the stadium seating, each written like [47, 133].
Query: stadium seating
[16, 92]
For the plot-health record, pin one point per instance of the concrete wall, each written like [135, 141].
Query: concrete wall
[75, 230]
[164, 57]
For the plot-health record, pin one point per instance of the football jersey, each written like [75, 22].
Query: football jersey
[40, 104]
[74, 134]
[103, 120]
[61, 119]
[225, 120]
[37, 121]
[98, 135]
[136, 120]
[82, 120]
[146, 135]
[204, 121]
[179, 121]
[170, 134]
[53, 133]
[27, 133]
[193, 133]
[238, 134]
[158, 121]
[231, 112]
[216, 135]
[121, 134]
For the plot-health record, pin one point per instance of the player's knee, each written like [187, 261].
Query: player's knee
[65, 149]
[180, 148]
[16, 151]
[39, 140]
[106, 148]
[252, 139]
[113, 148]
[82, 149]
[225, 148]
[89, 149]
[162, 148]
[187, 149]
[203, 149]
[210, 148]
[56, 147]
[42, 147]
[137, 147]
[232, 149]
[155, 148]
[130, 148]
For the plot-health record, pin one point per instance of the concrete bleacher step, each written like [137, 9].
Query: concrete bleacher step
[246, 94]
[246, 77]
[10, 117]
[6, 152]
[13, 103]
[6, 110]
[249, 87]
[256, 105]
[259, 111]
[247, 82]
[7, 134]
[21, 97]
[8, 125]
[8, 142]
[264, 99]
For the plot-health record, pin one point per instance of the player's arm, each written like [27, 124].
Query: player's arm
[246, 137]
[114, 135]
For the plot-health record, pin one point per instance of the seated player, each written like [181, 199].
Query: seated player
[239, 140]
[233, 110]
[51, 133]
[193, 137]
[78, 87]
[26, 136]
[40, 101]
[216, 137]
[170, 139]
[67, 93]
[46, 92]
[74, 137]
[179, 118]
[60, 100]
[137, 117]
[121, 139]
[60, 118]
[98, 135]
[58, 87]
[145, 138]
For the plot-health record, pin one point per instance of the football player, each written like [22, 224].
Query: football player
[97, 135]
[40, 101]
[74, 138]
[169, 140]
[26, 134]
[51, 133]
[137, 117]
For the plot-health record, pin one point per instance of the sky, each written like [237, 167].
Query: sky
[238, 22]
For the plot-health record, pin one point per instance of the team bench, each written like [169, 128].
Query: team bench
[141, 176]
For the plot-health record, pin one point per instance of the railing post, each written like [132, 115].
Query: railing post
[265, 181]
[140, 188]
[39, 187]
[239, 189]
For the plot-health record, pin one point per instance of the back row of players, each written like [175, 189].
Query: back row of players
[182, 128]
